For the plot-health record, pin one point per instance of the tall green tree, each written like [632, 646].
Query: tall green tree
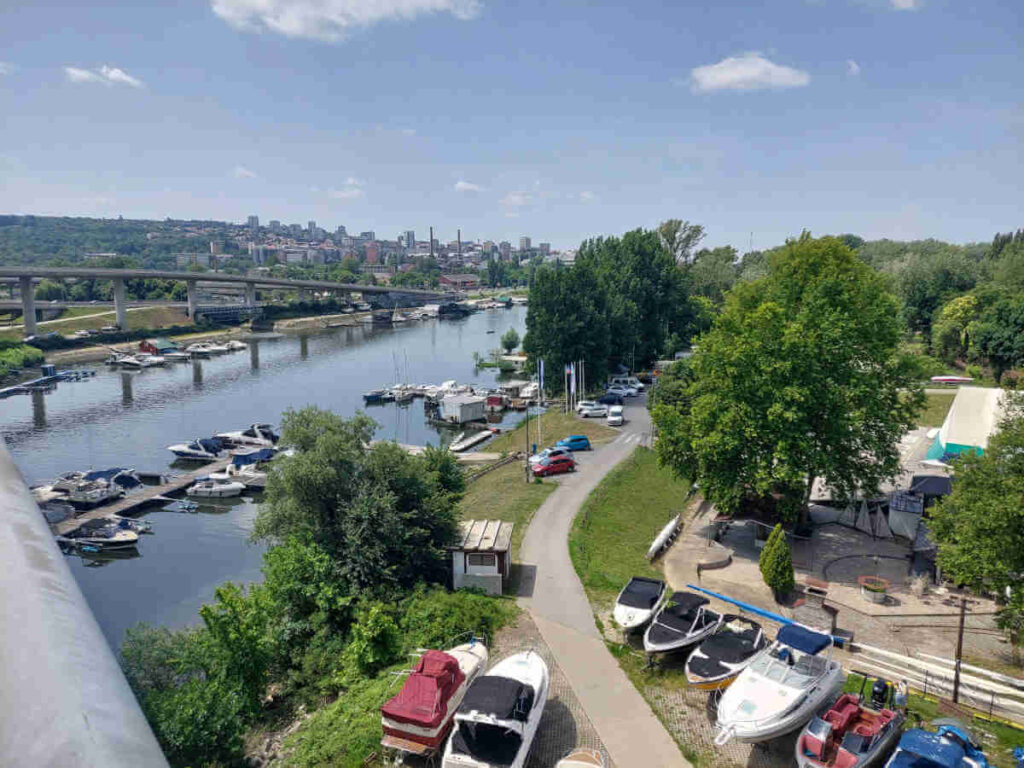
[998, 335]
[926, 280]
[510, 340]
[714, 272]
[800, 378]
[979, 529]
[680, 238]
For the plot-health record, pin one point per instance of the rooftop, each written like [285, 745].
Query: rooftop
[484, 536]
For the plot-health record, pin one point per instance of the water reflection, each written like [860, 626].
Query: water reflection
[127, 395]
[254, 355]
[197, 374]
[38, 409]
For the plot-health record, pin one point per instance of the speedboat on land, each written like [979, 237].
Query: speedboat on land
[781, 689]
[498, 718]
[101, 535]
[424, 710]
[951, 746]
[682, 621]
[637, 602]
[716, 662]
[215, 488]
[200, 449]
[582, 758]
[854, 733]
[256, 436]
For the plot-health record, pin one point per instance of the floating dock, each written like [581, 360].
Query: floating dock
[147, 494]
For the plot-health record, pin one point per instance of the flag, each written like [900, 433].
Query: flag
[572, 378]
[541, 376]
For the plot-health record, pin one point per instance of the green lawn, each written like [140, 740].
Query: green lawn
[144, 317]
[618, 522]
[504, 494]
[936, 407]
[554, 426]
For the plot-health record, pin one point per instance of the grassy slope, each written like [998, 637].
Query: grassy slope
[618, 522]
[936, 407]
[503, 494]
[144, 317]
[554, 426]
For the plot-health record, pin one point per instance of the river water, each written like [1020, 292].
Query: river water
[128, 419]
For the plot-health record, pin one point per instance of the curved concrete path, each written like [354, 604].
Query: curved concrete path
[554, 596]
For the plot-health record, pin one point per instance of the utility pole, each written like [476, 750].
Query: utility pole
[959, 651]
[431, 242]
[527, 440]
[458, 236]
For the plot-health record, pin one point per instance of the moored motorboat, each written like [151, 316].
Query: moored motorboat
[637, 602]
[424, 710]
[215, 488]
[373, 396]
[951, 746]
[496, 723]
[147, 360]
[256, 435]
[100, 535]
[716, 662]
[199, 349]
[682, 621]
[200, 449]
[853, 733]
[246, 468]
[234, 345]
[781, 689]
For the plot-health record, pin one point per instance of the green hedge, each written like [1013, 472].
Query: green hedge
[15, 356]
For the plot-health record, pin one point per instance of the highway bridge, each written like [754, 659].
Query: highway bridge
[27, 275]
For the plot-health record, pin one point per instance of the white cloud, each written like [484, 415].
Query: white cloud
[106, 75]
[748, 72]
[852, 67]
[6, 68]
[516, 199]
[906, 5]
[466, 186]
[241, 172]
[345, 193]
[331, 20]
[586, 196]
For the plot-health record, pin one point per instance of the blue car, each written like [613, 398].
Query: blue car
[574, 443]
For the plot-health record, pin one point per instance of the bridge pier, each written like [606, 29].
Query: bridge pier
[303, 295]
[250, 294]
[120, 304]
[193, 298]
[28, 304]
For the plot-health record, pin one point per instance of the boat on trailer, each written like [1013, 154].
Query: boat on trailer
[420, 717]
[854, 732]
[637, 602]
[682, 621]
[497, 721]
[717, 661]
[781, 689]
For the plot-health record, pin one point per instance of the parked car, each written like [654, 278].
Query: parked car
[627, 381]
[622, 390]
[611, 399]
[592, 409]
[574, 443]
[615, 418]
[549, 453]
[584, 404]
[556, 466]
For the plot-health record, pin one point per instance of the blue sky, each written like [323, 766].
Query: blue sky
[887, 118]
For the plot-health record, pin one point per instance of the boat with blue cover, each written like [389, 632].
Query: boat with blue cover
[200, 449]
[951, 745]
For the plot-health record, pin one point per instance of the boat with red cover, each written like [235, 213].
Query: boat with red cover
[419, 718]
[852, 733]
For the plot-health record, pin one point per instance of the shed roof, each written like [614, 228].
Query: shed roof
[462, 399]
[484, 536]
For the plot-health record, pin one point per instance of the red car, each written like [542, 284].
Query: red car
[554, 465]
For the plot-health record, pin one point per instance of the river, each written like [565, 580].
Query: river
[128, 419]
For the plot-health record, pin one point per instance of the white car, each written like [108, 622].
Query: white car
[626, 381]
[621, 390]
[615, 418]
[549, 453]
[587, 410]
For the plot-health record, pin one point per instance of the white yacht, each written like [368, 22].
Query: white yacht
[235, 345]
[496, 723]
[200, 449]
[215, 488]
[781, 689]
[255, 435]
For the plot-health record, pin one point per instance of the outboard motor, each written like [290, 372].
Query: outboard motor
[880, 694]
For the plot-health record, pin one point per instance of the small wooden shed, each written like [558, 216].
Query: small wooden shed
[482, 557]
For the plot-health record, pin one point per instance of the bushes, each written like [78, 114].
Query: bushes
[777, 563]
[15, 356]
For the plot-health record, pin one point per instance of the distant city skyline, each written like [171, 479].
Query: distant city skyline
[884, 118]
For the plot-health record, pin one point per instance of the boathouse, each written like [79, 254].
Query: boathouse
[482, 558]
[458, 409]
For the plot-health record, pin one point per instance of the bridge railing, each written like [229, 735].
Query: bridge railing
[63, 698]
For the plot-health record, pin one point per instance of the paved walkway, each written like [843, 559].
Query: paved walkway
[552, 593]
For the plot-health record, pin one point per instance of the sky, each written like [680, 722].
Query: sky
[558, 121]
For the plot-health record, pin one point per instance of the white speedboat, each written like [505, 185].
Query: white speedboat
[246, 468]
[424, 710]
[199, 349]
[218, 349]
[717, 661]
[234, 345]
[100, 535]
[146, 360]
[637, 602]
[682, 621]
[92, 493]
[215, 488]
[177, 357]
[781, 689]
[498, 718]
[200, 449]
[255, 436]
